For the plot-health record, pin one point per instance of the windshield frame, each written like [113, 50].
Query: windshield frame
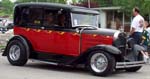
[72, 21]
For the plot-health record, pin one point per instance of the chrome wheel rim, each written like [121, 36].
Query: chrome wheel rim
[99, 62]
[14, 52]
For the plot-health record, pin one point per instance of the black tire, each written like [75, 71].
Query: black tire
[109, 67]
[22, 58]
[133, 69]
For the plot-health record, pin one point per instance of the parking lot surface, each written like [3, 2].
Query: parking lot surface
[37, 70]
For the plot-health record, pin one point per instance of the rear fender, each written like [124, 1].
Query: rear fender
[20, 38]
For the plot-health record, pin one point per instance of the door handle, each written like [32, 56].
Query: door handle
[42, 28]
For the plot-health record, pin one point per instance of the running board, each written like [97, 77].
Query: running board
[129, 64]
[119, 65]
[46, 62]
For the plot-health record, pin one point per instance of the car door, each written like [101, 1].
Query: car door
[53, 38]
[66, 42]
[41, 37]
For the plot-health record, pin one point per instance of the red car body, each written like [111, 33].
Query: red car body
[61, 42]
[69, 35]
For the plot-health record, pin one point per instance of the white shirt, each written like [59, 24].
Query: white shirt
[138, 23]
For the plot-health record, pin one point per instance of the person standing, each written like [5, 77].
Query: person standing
[137, 26]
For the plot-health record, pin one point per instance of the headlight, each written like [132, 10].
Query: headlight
[116, 35]
[119, 39]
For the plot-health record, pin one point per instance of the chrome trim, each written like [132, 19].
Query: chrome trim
[14, 52]
[129, 64]
[116, 35]
[46, 62]
[118, 67]
[79, 50]
[99, 62]
[71, 19]
[136, 62]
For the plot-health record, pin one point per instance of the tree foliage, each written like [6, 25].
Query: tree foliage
[128, 5]
[6, 7]
[53, 1]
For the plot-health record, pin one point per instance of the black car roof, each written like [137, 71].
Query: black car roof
[59, 6]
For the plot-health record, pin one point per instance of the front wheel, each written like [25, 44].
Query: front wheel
[17, 53]
[101, 63]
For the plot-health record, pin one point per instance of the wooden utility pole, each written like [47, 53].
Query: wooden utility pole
[89, 4]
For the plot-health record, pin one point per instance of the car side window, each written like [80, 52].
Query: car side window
[55, 19]
[24, 16]
[49, 18]
[29, 16]
[18, 18]
[36, 16]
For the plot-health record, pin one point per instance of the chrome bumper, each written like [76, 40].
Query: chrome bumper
[120, 65]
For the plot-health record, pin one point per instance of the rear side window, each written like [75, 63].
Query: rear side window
[57, 18]
[50, 18]
[36, 16]
[28, 16]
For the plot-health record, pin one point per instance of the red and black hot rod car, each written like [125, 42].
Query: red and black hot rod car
[69, 35]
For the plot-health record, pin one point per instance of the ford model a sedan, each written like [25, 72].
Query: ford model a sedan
[69, 35]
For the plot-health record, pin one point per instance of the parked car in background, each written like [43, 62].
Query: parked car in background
[5, 24]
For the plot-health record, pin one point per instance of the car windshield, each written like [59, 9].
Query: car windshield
[84, 20]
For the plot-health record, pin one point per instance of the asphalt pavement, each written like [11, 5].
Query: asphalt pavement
[37, 70]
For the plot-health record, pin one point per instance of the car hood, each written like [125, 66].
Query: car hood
[101, 31]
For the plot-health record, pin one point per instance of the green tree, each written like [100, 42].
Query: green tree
[128, 5]
[53, 1]
[7, 7]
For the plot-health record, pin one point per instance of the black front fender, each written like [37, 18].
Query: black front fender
[108, 48]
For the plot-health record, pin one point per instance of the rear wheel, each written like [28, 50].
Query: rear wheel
[101, 63]
[17, 53]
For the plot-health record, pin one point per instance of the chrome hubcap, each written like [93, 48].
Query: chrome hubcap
[14, 52]
[99, 62]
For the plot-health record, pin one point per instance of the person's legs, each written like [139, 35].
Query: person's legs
[137, 37]
[145, 56]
